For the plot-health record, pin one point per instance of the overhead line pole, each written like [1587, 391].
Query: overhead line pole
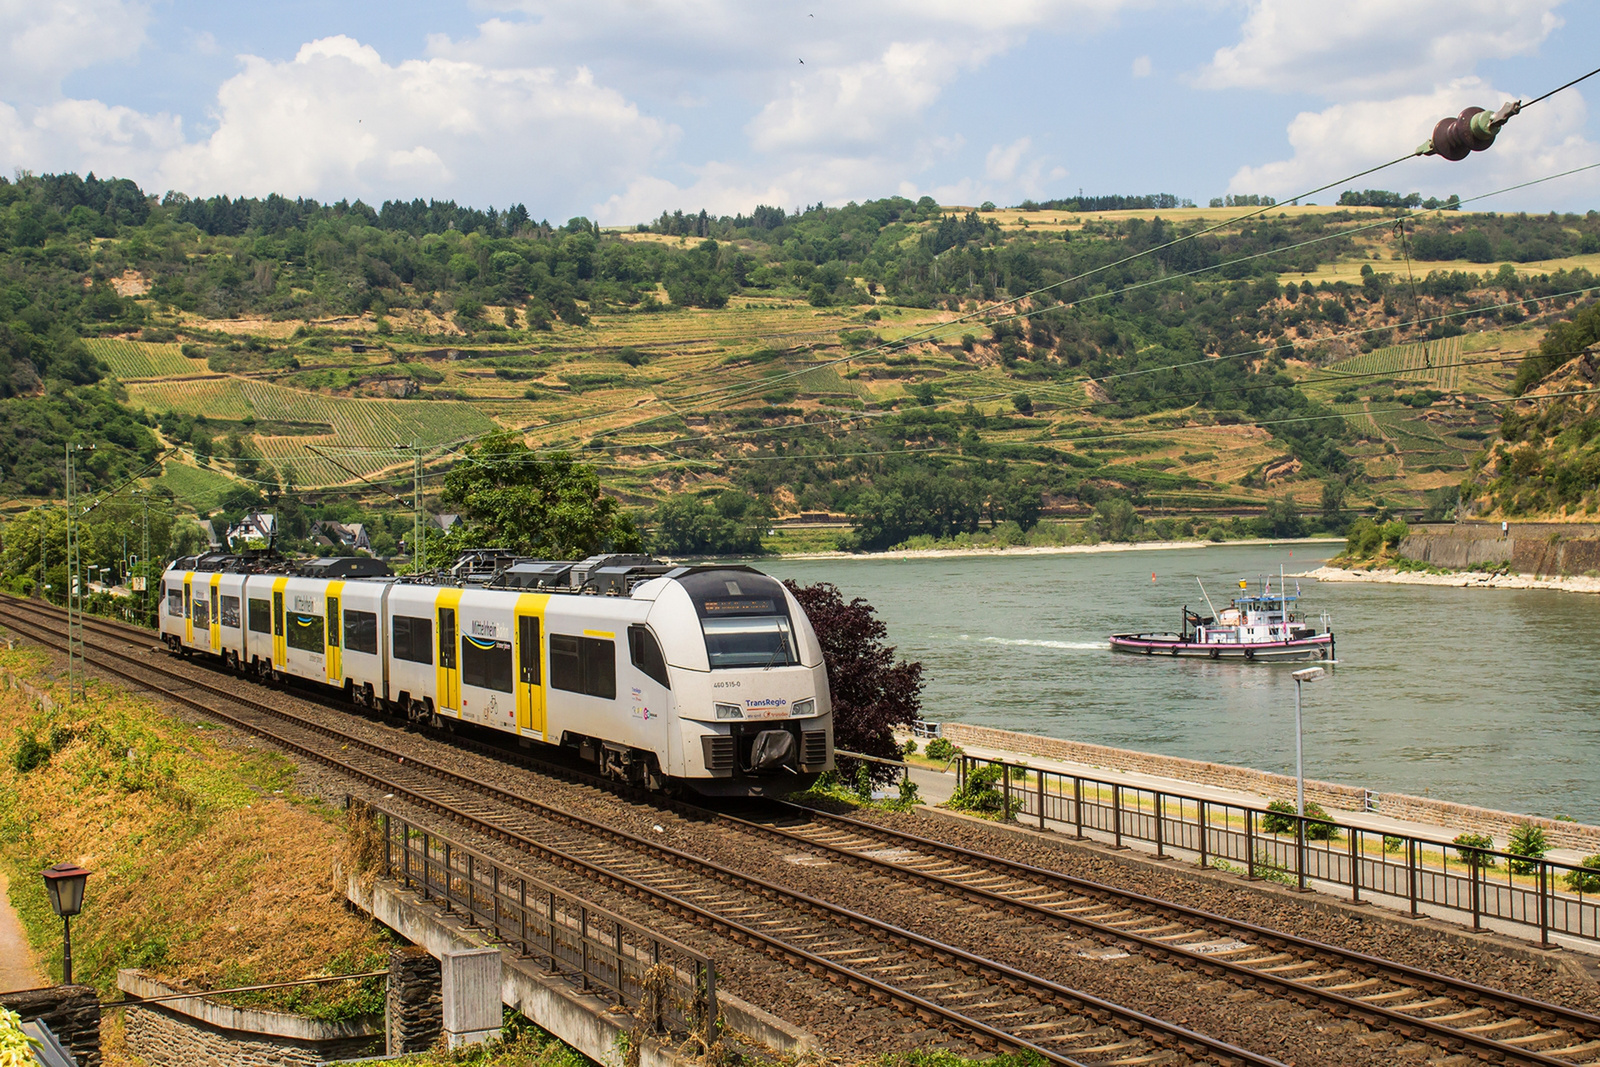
[76, 680]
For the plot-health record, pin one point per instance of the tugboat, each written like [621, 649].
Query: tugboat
[1255, 627]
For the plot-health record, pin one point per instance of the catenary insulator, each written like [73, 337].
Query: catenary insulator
[1471, 131]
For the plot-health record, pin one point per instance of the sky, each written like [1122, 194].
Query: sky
[620, 109]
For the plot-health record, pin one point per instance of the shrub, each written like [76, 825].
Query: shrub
[1530, 841]
[910, 747]
[30, 754]
[1392, 843]
[981, 794]
[864, 780]
[940, 749]
[1473, 849]
[1280, 819]
[908, 792]
[1586, 880]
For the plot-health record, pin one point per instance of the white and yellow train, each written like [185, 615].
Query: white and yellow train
[707, 676]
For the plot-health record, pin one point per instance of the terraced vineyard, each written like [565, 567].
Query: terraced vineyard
[143, 359]
[215, 398]
[359, 424]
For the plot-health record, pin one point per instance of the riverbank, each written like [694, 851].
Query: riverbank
[1455, 579]
[1054, 550]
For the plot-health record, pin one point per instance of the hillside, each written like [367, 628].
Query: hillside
[888, 359]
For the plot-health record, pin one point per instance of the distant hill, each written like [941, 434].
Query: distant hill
[887, 358]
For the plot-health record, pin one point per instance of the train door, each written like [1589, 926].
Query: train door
[188, 608]
[280, 643]
[529, 667]
[216, 613]
[334, 658]
[449, 672]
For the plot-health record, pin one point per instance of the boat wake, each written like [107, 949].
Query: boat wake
[1070, 645]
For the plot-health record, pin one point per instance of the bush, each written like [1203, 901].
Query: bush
[30, 754]
[981, 795]
[1392, 843]
[910, 747]
[940, 749]
[1473, 849]
[1586, 880]
[1280, 819]
[1530, 841]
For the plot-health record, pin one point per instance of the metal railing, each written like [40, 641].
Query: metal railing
[1553, 897]
[924, 728]
[671, 987]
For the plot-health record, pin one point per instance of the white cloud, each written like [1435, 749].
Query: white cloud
[1141, 67]
[1544, 140]
[1001, 164]
[854, 104]
[337, 121]
[43, 42]
[1373, 47]
[86, 135]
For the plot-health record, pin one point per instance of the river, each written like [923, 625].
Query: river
[1487, 697]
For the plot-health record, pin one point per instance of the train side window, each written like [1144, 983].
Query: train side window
[646, 654]
[277, 614]
[175, 601]
[585, 665]
[486, 663]
[361, 632]
[200, 612]
[333, 622]
[528, 650]
[260, 616]
[230, 612]
[412, 639]
[305, 632]
[216, 608]
[566, 667]
[600, 668]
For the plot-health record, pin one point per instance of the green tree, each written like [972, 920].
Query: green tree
[728, 524]
[1115, 520]
[545, 505]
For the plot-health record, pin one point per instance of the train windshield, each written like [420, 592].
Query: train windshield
[749, 641]
[745, 618]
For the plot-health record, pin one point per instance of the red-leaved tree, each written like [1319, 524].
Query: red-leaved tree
[872, 694]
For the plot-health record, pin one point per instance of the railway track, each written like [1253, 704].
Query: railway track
[1448, 1012]
[997, 1005]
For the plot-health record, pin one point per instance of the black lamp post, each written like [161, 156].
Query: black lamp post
[64, 882]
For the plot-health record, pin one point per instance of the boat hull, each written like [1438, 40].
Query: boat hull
[1317, 646]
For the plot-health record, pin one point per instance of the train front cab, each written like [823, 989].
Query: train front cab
[750, 690]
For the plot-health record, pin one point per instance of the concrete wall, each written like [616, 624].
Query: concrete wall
[1269, 786]
[72, 1012]
[181, 1033]
[587, 1023]
[1537, 548]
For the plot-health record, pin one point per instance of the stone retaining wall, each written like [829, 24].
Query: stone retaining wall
[72, 1012]
[1269, 786]
[1537, 548]
[182, 1033]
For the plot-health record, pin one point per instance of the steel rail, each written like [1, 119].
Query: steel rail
[1163, 1034]
[1543, 1014]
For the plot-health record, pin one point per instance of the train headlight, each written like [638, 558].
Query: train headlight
[803, 708]
[729, 711]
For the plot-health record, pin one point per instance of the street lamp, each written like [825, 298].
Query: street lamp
[64, 882]
[1309, 674]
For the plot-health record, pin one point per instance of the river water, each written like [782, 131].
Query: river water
[1484, 696]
